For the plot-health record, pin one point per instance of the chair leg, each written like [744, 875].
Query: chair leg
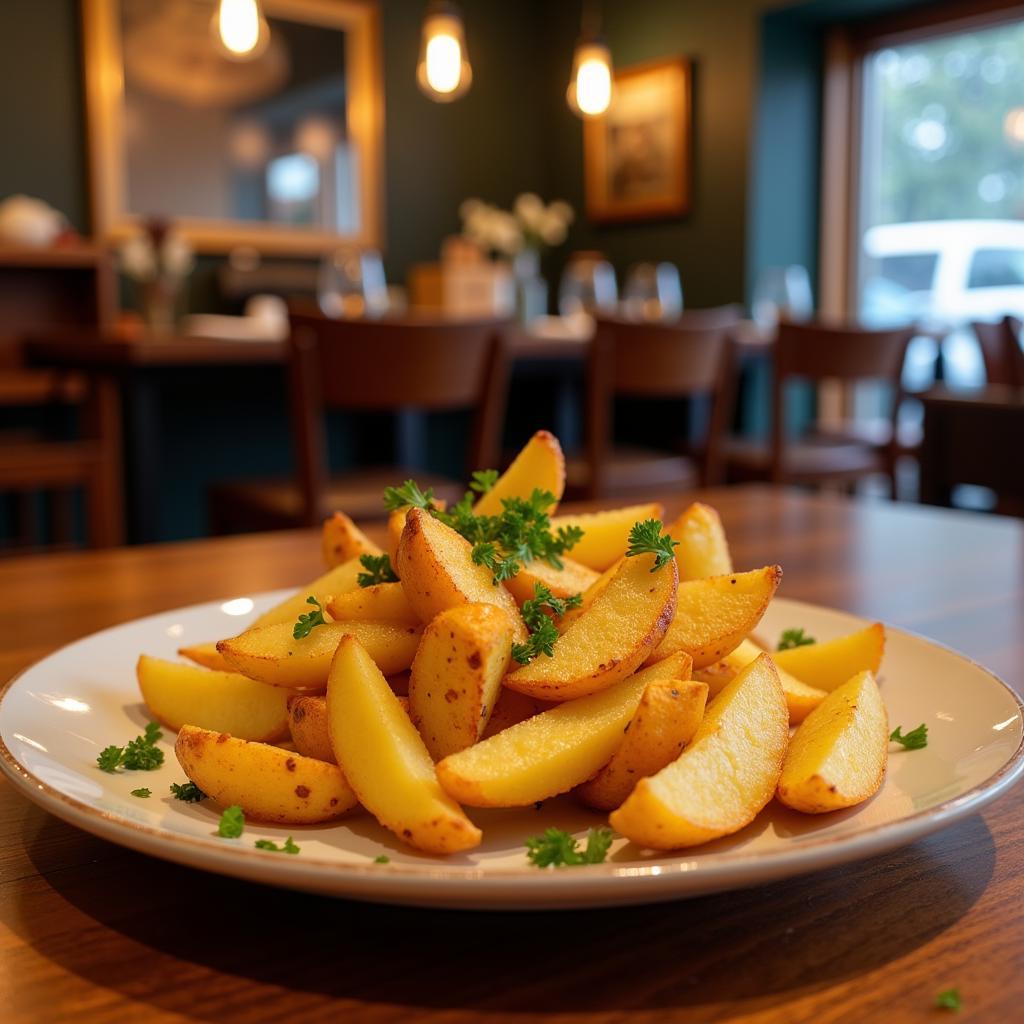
[104, 493]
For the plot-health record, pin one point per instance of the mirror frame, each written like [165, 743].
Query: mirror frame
[104, 90]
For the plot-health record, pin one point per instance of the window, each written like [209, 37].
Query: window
[915, 271]
[997, 268]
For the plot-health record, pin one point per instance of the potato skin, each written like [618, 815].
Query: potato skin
[307, 720]
[206, 655]
[342, 541]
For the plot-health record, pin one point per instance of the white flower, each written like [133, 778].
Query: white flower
[506, 236]
[529, 209]
[176, 255]
[469, 208]
[563, 211]
[552, 228]
[138, 259]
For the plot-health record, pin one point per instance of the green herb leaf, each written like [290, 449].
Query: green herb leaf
[142, 793]
[378, 570]
[913, 740]
[794, 638]
[232, 822]
[484, 480]
[187, 791]
[268, 844]
[557, 848]
[599, 842]
[139, 754]
[110, 758]
[382, 859]
[949, 1000]
[409, 494]
[308, 621]
[543, 635]
[646, 538]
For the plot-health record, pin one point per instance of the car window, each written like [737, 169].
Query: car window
[914, 271]
[996, 268]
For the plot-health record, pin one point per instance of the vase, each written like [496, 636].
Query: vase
[531, 288]
[159, 299]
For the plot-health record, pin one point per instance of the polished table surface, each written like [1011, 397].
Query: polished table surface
[94, 933]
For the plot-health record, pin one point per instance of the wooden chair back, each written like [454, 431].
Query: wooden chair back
[362, 365]
[1001, 351]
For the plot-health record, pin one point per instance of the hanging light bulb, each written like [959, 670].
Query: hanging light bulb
[1013, 127]
[241, 29]
[590, 85]
[443, 71]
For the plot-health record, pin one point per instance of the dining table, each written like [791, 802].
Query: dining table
[97, 934]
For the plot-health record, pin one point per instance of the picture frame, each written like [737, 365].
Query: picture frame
[637, 154]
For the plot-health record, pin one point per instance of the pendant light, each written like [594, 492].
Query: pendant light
[240, 29]
[590, 87]
[443, 71]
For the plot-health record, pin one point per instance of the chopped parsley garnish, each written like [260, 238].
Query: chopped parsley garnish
[139, 754]
[308, 621]
[794, 638]
[232, 822]
[409, 494]
[949, 1000]
[142, 793]
[484, 480]
[187, 791]
[913, 740]
[378, 570]
[268, 844]
[543, 634]
[646, 538]
[557, 848]
[382, 859]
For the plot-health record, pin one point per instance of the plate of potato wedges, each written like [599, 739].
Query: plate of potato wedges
[500, 705]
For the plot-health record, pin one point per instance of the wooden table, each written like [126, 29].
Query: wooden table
[95, 933]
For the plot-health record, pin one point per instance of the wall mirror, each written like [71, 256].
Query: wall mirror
[242, 122]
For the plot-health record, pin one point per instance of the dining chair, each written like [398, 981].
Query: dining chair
[372, 366]
[818, 352]
[1001, 351]
[690, 357]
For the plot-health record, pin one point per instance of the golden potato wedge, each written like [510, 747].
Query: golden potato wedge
[715, 614]
[438, 572]
[724, 777]
[703, 550]
[177, 693]
[456, 675]
[268, 783]
[606, 534]
[547, 754]
[800, 698]
[539, 466]
[830, 664]
[838, 756]
[206, 655]
[590, 595]
[343, 541]
[510, 709]
[610, 640]
[665, 720]
[339, 580]
[568, 581]
[383, 602]
[272, 655]
[307, 721]
[396, 524]
[386, 761]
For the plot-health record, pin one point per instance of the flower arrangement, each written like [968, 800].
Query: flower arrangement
[530, 225]
[159, 260]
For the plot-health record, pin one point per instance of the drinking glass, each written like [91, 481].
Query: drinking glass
[588, 286]
[653, 291]
[781, 292]
[351, 284]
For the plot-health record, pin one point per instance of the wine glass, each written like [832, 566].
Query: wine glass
[351, 284]
[781, 292]
[588, 286]
[653, 291]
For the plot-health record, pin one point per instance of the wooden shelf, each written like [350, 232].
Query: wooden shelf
[82, 255]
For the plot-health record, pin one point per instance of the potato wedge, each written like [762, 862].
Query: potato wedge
[396, 524]
[539, 466]
[383, 602]
[568, 581]
[206, 655]
[343, 541]
[610, 640]
[307, 722]
[838, 756]
[724, 777]
[385, 760]
[268, 783]
[456, 675]
[547, 754]
[830, 664]
[665, 720]
[438, 572]
[606, 534]
[714, 615]
[339, 580]
[222, 701]
[272, 655]
[590, 595]
[800, 698]
[703, 550]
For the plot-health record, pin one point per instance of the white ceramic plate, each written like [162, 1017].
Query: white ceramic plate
[57, 716]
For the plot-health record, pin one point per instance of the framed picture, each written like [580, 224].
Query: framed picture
[637, 155]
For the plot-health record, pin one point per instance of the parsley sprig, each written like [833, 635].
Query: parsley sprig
[949, 999]
[187, 791]
[268, 844]
[913, 740]
[378, 570]
[143, 793]
[232, 822]
[794, 638]
[139, 754]
[408, 495]
[543, 634]
[557, 848]
[646, 538]
[308, 621]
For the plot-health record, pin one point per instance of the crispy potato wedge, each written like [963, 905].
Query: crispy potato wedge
[383, 602]
[456, 675]
[838, 756]
[715, 614]
[590, 595]
[547, 754]
[724, 777]
[206, 655]
[665, 720]
[342, 541]
[272, 655]
[510, 709]
[268, 783]
[307, 722]
[830, 664]
[568, 581]
[385, 760]
[703, 550]
[800, 698]
[222, 701]
[610, 640]
[539, 466]
[606, 534]
[339, 580]
[396, 524]
[438, 572]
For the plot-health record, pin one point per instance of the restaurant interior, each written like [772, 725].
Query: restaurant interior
[263, 261]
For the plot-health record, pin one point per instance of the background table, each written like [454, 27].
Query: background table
[95, 933]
